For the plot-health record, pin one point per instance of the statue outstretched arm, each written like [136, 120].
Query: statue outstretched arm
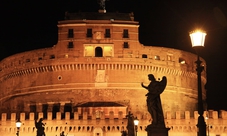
[146, 87]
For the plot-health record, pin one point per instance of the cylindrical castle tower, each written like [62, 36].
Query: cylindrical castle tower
[98, 59]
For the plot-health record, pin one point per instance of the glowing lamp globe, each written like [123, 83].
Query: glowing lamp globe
[136, 122]
[18, 124]
[198, 38]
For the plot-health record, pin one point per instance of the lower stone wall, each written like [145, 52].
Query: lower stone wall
[216, 124]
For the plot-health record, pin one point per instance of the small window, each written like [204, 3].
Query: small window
[52, 56]
[125, 33]
[27, 60]
[125, 45]
[107, 33]
[169, 57]
[157, 57]
[89, 33]
[144, 55]
[70, 45]
[40, 58]
[70, 33]
[182, 61]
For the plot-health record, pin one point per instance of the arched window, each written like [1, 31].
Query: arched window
[98, 52]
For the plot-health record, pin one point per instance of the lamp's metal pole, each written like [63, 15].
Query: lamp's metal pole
[201, 122]
[17, 131]
[136, 129]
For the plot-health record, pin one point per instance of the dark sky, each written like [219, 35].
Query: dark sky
[28, 25]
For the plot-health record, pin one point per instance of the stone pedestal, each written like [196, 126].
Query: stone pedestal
[157, 131]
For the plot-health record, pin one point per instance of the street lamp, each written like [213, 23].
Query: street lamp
[198, 39]
[18, 125]
[136, 122]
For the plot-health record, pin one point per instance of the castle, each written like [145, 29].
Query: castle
[88, 82]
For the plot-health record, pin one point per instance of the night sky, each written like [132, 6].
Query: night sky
[28, 25]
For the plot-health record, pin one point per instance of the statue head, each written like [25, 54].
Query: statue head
[151, 77]
[41, 119]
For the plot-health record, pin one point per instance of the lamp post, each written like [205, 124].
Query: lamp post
[18, 125]
[198, 39]
[136, 122]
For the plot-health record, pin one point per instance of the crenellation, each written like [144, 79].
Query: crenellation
[13, 117]
[178, 115]
[223, 114]
[168, 115]
[58, 117]
[4, 117]
[214, 114]
[196, 114]
[67, 115]
[22, 116]
[40, 115]
[187, 115]
[85, 116]
[31, 116]
[76, 116]
[49, 116]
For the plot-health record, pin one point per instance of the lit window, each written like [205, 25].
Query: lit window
[107, 51]
[89, 51]
[182, 61]
[157, 57]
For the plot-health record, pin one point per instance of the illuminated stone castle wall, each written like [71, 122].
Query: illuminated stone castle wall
[87, 124]
[97, 61]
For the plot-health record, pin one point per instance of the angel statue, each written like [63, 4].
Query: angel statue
[40, 127]
[154, 105]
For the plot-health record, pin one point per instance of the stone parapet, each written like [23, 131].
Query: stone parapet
[85, 123]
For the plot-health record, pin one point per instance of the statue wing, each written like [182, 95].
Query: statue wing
[162, 84]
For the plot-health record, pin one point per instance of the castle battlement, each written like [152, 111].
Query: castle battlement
[210, 115]
[55, 123]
